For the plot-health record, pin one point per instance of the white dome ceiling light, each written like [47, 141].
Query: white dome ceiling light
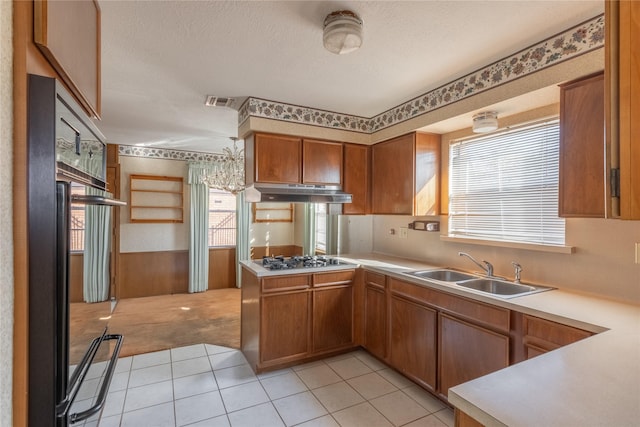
[342, 32]
[486, 121]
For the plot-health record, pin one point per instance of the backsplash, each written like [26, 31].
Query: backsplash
[603, 262]
[573, 42]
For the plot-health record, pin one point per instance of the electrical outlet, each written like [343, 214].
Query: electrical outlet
[637, 253]
[404, 232]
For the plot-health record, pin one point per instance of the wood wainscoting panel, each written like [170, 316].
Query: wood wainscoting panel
[222, 268]
[145, 274]
[76, 276]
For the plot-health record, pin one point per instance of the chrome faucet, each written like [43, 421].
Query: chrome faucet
[487, 267]
[518, 268]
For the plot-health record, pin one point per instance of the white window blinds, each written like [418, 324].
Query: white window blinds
[505, 186]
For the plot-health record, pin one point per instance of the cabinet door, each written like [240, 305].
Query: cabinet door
[278, 159]
[332, 317]
[284, 330]
[392, 164]
[582, 167]
[321, 162]
[356, 178]
[629, 103]
[412, 347]
[468, 351]
[427, 175]
[375, 323]
[541, 336]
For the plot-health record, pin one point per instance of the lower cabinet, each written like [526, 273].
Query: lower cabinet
[412, 348]
[284, 333]
[541, 336]
[375, 314]
[468, 351]
[332, 317]
[288, 319]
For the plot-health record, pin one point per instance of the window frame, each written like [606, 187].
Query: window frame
[488, 239]
[211, 229]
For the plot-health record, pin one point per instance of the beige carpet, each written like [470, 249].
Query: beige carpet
[161, 322]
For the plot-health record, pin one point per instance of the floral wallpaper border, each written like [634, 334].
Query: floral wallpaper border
[571, 43]
[167, 154]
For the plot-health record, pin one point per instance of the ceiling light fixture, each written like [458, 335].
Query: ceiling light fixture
[227, 174]
[486, 121]
[342, 32]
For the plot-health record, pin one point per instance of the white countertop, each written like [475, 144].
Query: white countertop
[595, 381]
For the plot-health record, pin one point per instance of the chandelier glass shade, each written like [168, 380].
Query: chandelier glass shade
[227, 174]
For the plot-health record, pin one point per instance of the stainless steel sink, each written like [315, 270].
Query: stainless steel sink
[501, 288]
[443, 275]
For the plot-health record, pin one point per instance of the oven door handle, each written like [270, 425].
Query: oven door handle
[104, 389]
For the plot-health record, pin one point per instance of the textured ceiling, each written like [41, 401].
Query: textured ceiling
[161, 58]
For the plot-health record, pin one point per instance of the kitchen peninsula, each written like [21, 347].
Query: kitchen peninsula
[598, 374]
[300, 310]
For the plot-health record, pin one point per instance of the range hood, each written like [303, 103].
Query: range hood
[296, 193]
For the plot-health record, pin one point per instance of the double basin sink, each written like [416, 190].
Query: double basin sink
[488, 285]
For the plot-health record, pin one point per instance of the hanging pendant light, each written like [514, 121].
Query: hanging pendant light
[228, 173]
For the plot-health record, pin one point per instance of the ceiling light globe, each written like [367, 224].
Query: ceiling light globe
[484, 122]
[342, 32]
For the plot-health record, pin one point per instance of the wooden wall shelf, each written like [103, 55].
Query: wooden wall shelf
[156, 199]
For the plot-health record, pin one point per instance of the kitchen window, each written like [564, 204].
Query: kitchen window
[222, 218]
[504, 186]
[321, 228]
[76, 238]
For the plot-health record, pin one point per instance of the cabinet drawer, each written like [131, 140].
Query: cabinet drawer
[374, 279]
[550, 335]
[285, 283]
[495, 317]
[333, 278]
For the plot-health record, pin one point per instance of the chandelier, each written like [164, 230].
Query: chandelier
[227, 174]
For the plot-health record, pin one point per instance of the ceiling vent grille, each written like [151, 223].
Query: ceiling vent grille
[218, 101]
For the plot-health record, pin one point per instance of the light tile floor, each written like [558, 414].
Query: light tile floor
[208, 385]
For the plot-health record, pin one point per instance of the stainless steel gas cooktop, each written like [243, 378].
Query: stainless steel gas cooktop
[287, 263]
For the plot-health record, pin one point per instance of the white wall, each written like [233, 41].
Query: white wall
[271, 233]
[142, 237]
[356, 233]
[6, 214]
[602, 264]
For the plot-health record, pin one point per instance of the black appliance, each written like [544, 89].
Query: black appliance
[298, 261]
[64, 146]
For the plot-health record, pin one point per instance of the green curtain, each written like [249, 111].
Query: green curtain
[242, 234]
[198, 231]
[97, 249]
[309, 237]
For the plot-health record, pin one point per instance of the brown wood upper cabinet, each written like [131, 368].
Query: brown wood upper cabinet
[273, 159]
[406, 175]
[287, 159]
[68, 35]
[357, 174]
[582, 166]
[622, 72]
[321, 162]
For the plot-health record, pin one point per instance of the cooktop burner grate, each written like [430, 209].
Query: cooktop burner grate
[298, 261]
